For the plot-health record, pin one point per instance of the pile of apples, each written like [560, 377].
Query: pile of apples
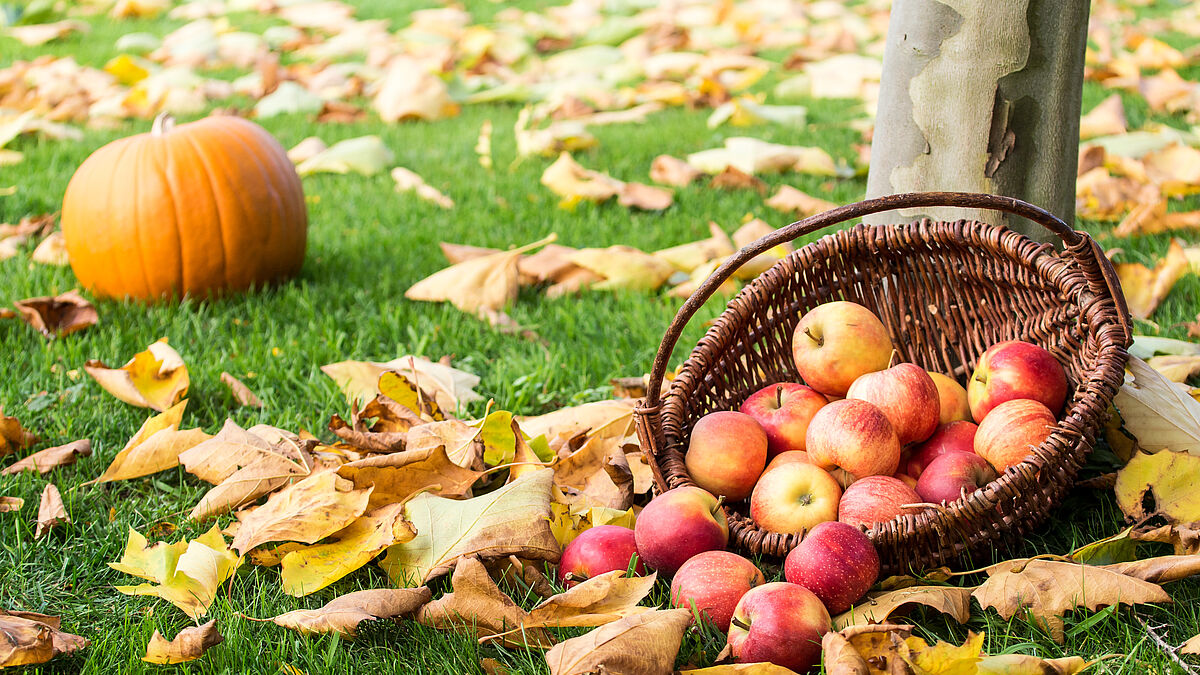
[859, 442]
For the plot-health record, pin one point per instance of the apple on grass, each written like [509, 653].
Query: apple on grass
[677, 525]
[1011, 431]
[726, 454]
[1015, 370]
[784, 411]
[712, 583]
[794, 497]
[906, 395]
[852, 439]
[780, 623]
[955, 436]
[837, 562]
[952, 398]
[836, 342]
[953, 475]
[876, 499]
[597, 550]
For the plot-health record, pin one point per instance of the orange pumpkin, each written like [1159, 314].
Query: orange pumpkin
[196, 209]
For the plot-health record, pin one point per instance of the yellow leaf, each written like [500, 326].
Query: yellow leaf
[945, 658]
[1023, 664]
[687, 257]
[624, 267]
[126, 69]
[409, 91]
[186, 574]
[642, 643]
[189, 644]
[155, 447]
[1145, 288]
[450, 386]
[156, 378]
[570, 520]
[567, 179]
[400, 389]
[792, 201]
[307, 512]
[489, 282]
[312, 568]
[243, 466]
[1176, 367]
[343, 614]
[1160, 414]
[1163, 484]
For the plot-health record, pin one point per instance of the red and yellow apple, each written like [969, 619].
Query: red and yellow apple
[1015, 370]
[784, 411]
[906, 395]
[876, 499]
[952, 398]
[726, 454]
[1011, 431]
[794, 497]
[789, 457]
[712, 583]
[955, 436]
[852, 439]
[597, 550]
[835, 343]
[780, 623]
[837, 562]
[953, 475]
[677, 525]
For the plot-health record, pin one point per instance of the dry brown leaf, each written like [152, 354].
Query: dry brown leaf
[1165, 91]
[1106, 119]
[548, 265]
[582, 419]
[59, 315]
[762, 668]
[156, 378]
[645, 197]
[8, 504]
[31, 639]
[155, 447]
[1175, 367]
[687, 257]
[359, 380]
[1176, 170]
[1048, 588]
[37, 34]
[409, 91]
[13, 436]
[1145, 288]
[51, 251]
[456, 253]
[642, 644]
[51, 511]
[343, 614]
[461, 441]
[306, 511]
[189, 644]
[599, 470]
[477, 602]
[1161, 569]
[306, 149]
[398, 476]
[878, 607]
[624, 267]
[790, 200]
[1160, 415]
[408, 181]
[673, 171]
[1162, 484]
[241, 393]
[489, 282]
[1192, 646]
[309, 569]
[1150, 216]
[1185, 539]
[45, 461]
[733, 178]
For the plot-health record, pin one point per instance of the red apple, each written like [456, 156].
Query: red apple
[794, 497]
[1011, 430]
[852, 439]
[726, 454]
[953, 475]
[781, 623]
[597, 550]
[677, 525]
[789, 457]
[837, 562]
[875, 499]
[953, 399]
[1013, 370]
[956, 436]
[907, 395]
[836, 342]
[713, 582]
[784, 411]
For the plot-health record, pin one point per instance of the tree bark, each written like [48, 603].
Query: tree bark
[981, 96]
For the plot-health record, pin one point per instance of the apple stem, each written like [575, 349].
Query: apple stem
[779, 396]
[739, 623]
[820, 342]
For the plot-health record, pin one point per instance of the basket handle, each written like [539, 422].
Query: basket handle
[1101, 275]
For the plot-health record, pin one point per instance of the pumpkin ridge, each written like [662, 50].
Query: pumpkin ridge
[138, 162]
[167, 170]
[278, 210]
[216, 200]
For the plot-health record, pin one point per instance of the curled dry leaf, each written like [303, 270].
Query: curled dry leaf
[156, 378]
[408, 181]
[1184, 538]
[476, 602]
[13, 436]
[1162, 484]
[790, 200]
[489, 282]
[398, 476]
[155, 447]
[570, 520]
[451, 387]
[186, 574]
[878, 607]
[1176, 368]
[305, 149]
[1145, 288]
[11, 504]
[1160, 414]
[624, 267]
[51, 511]
[51, 251]
[688, 257]
[642, 644]
[59, 315]
[306, 511]
[189, 644]
[645, 197]
[673, 171]
[365, 155]
[733, 178]
[241, 393]
[308, 569]
[45, 461]
[1161, 569]
[32, 639]
[343, 614]
[567, 179]
[1105, 119]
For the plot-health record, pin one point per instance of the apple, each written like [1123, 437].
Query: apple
[679, 524]
[958, 435]
[726, 454]
[789, 457]
[836, 342]
[794, 497]
[780, 623]
[1014, 370]
[876, 499]
[1011, 430]
[597, 550]
[837, 562]
[784, 411]
[907, 395]
[851, 439]
[906, 479]
[952, 397]
[952, 475]
[712, 582]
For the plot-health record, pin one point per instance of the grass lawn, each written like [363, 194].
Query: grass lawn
[367, 245]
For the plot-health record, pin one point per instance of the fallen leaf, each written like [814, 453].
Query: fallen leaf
[557, 137]
[155, 447]
[1185, 539]
[754, 156]
[489, 282]
[1160, 414]
[461, 441]
[582, 419]
[13, 436]
[1107, 118]
[646, 644]
[1024, 664]
[1120, 547]
[790, 200]
[624, 267]
[1176, 368]
[400, 390]
[189, 644]
[878, 607]
[1151, 217]
[305, 149]
[343, 614]
[11, 504]
[1175, 169]
[483, 145]
[45, 461]
[745, 111]
[838, 657]
[1145, 288]
[289, 98]
[733, 178]
[550, 264]
[451, 387]
[1192, 646]
[51, 251]
[51, 511]
[407, 181]
[31, 639]
[512, 520]
[599, 470]
[243, 466]
[673, 171]
[186, 574]
[644, 197]
[687, 257]
[762, 668]
[570, 520]
[477, 603]
[398, 476]
[1048, 588]
[241, 393]
[366, 155]
[156, 378]
[1159, 570]
[567, 179]
[368, 440]
[596, 601]
[38, 34]
[1160, 484]
[309, 569]
[59, 315]
[408, 91]
[306, 511]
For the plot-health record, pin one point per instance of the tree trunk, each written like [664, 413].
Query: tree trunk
[981, 96]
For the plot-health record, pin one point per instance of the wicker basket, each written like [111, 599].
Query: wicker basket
[946, 291]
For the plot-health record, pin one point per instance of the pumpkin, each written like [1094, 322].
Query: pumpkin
[197, 209]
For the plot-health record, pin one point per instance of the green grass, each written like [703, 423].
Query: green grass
[367, 246]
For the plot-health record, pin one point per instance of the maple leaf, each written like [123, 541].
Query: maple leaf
[186, 574]
[308, 569]
[32, 638]
[156, 378]
[155, 447]
[306, 511]
[488, 282]
[1159, 414]
[878, 607]
[188, 645]
[59, 315]
[396, 477]
[1163, 484]
[1145, 288]
[51, 511]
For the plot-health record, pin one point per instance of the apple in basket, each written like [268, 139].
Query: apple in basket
[1014, 370]
[794, 497]
[784, 411]
[679, 524]
[953, 475]
[781, 623]
[1011, 431]
[597, 550]
[835, 343]
[712, 583]
[851, 439]
[876, 499]
[837, 562]
[955, 436]
[952, 398]
[726, 454]
[906, 395]
[789, 457]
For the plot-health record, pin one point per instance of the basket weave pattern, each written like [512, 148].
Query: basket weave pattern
[946, 292]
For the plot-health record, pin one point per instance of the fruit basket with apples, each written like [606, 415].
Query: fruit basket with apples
[835, 352]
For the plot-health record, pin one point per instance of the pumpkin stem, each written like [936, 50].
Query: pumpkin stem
[163, 123]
